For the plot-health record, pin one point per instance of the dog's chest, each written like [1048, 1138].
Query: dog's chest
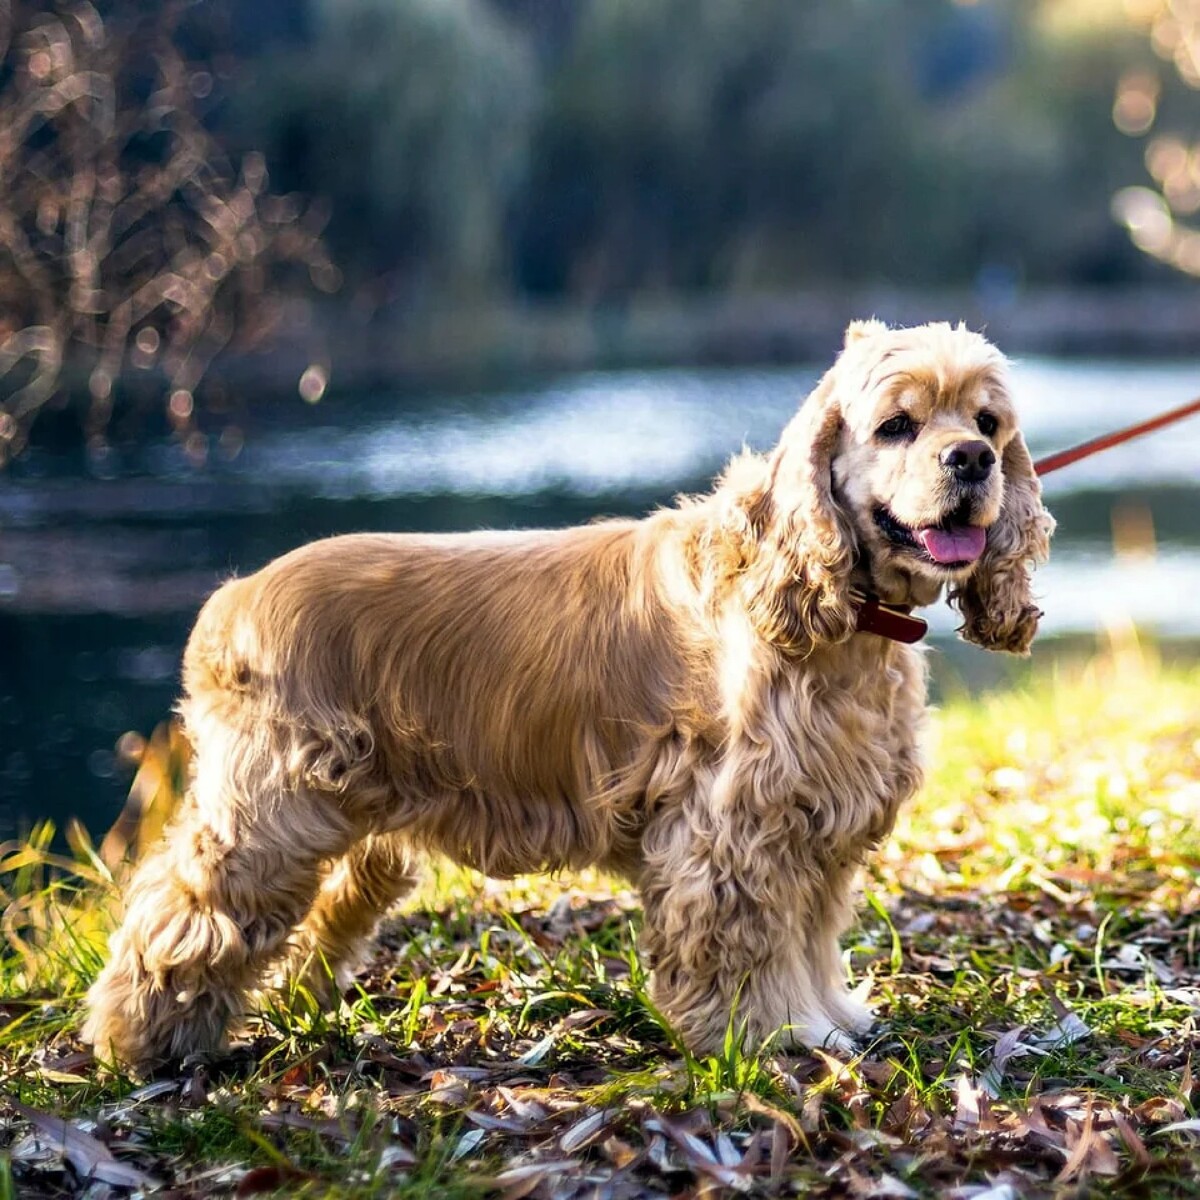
[847, 728]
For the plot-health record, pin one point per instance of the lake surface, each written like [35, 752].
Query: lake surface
[103, 563]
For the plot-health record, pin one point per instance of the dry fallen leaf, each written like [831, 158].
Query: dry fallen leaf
[89, 1157]
[528, 1110]
[1129, 1136]
[699, 1156]
[584, 1018]
[1192, 1125]
[449, 1089]
[467, 1144]
[50, 1075]
[486, 1120]
[995, 1191]
[1090, 1151]
[967, 1101]
[537, 1051]
[1008, 1046]
[537, 1171]
[584, 1131]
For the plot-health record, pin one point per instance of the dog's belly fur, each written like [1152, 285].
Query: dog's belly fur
[836, 803]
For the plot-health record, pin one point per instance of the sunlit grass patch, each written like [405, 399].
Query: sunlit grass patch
[1031, 937]
[1096, 770]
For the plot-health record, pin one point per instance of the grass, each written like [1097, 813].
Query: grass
[1030, 937]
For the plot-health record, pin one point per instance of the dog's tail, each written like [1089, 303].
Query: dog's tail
[222, 651]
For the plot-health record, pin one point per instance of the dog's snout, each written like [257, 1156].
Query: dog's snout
[969, 462]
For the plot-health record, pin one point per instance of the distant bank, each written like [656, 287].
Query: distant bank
[489, 344]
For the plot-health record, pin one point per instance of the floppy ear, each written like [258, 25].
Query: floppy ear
[997, 602]
[797, 579]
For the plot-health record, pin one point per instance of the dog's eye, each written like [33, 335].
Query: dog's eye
[899, 426]
[987, 424]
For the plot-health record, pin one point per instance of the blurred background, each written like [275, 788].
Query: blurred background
[278, 270]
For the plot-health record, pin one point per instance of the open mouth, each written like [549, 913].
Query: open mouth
[952, 544]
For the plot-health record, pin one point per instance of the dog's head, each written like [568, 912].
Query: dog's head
[904, 472]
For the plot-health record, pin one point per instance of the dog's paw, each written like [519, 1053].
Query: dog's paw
[852, 1015]
[819, 1033]
[842, 1043]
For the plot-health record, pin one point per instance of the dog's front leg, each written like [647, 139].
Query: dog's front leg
[729, 907]
[830, 917]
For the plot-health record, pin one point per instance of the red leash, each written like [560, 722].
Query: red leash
[1064, 458]
[900, 626]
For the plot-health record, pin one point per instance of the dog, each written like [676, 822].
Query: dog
[682, 700]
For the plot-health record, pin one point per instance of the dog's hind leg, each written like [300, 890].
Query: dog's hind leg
[212, 906]
[356, 892]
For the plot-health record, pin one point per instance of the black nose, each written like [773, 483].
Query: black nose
[969, 462]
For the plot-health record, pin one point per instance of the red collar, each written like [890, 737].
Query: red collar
[891, 621]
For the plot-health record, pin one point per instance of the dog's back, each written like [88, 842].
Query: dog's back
[461, 680]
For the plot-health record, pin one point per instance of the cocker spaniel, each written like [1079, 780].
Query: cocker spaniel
[683, 700]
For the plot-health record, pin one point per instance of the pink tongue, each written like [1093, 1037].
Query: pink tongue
[964, 544]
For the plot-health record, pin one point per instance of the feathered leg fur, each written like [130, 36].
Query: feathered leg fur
[356, 892]
[210, 908]
[734, 931]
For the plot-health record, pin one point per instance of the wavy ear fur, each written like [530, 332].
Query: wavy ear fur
[997, 601]
[796, 583]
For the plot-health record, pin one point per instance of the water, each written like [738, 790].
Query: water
[103, 564]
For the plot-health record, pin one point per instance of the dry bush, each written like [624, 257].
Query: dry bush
[127, 236]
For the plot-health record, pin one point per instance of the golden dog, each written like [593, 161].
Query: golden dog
[683, 700]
